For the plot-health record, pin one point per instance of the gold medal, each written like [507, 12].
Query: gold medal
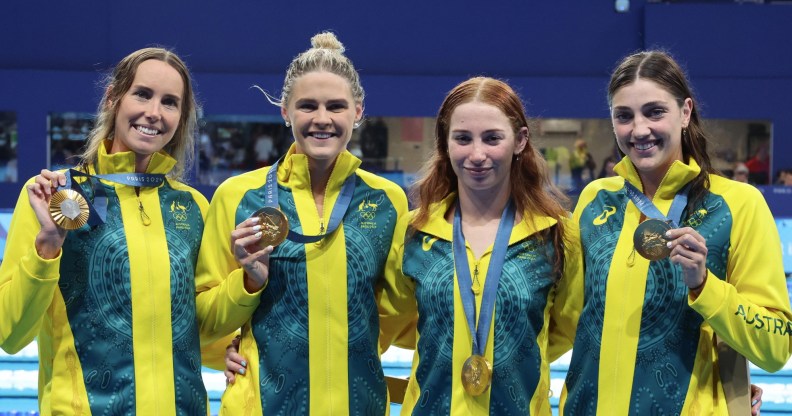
[650, 241]
[274, 226]
[476, 375]
[69, 209]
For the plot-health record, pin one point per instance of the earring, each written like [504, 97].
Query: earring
[288, 124]
[357, 124]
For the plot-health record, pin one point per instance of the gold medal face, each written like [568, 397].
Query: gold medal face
[274, 226]
[69, 209]
[476, 375]
[649, 239]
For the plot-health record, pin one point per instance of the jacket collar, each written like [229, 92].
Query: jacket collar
[678, 175]
[438, 226]
[294, 170]
[124, 162]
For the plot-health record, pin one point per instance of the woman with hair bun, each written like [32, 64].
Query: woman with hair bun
[305, 263]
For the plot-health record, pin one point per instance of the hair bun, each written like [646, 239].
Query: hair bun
[327, 40]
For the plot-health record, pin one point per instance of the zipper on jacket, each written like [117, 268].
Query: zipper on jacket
[324, 207]
[144, 218]
[476, 286]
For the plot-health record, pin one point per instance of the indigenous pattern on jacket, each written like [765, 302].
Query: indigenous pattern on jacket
[115, 313]
[642, 344]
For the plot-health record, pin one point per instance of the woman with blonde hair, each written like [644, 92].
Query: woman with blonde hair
[100, 261]
[305, 263]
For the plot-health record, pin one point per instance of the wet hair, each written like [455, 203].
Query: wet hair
[118, 83]
[660, 68]
[326, 54]
[530, 185]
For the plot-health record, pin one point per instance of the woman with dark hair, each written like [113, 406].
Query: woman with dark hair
[676, 257]
[482, 260]
[101, 271]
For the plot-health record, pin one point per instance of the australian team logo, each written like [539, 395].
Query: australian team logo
[179, 212]
[528, 250]
[368, 210]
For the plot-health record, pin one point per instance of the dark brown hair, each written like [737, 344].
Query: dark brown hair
[660, 68]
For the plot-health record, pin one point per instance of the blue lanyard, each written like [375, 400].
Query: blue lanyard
[340, 208]
[480, 332]
[650, 210]
[97, 209]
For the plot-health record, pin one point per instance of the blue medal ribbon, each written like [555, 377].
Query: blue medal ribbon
[480, 330]
[97, 209]
[340, 208]
[650, 210]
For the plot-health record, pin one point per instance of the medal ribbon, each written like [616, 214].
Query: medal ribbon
[340, 208]
[97, 209]
[650, 210]
[480, 331]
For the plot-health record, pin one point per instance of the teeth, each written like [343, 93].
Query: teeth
[644, 146]
[146, 130]
[322, 135]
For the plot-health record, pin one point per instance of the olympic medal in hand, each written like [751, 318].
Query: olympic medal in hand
[650, 241]
[69, 209]
[274, 226]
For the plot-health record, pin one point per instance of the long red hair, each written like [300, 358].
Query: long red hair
[531, 188]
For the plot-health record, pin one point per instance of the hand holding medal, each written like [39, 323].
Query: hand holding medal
[50, 237]
[251, 244]
[688, 249]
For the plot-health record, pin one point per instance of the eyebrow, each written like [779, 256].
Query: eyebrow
[149, 89]
[331, 101]
[485, 131]
[645, 105]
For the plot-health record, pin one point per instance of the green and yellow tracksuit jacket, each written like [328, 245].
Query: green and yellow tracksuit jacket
[311, 335]
[529, 315]
[644, 344]
[114, 313]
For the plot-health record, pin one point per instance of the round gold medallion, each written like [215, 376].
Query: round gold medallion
[274, 226]
[69, 209]
[650, 241]
[476, 375]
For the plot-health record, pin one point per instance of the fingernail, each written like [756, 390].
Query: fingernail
[753, 402]
[241, 371]
[668, 244]
[244, 363]
[258, 234]
[257, 228]
[255, 220]
[668, 234]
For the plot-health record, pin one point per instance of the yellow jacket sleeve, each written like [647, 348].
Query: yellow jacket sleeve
[222, 303]
[27, 282]
[568, 299]
[398, 310]
[750, 311]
